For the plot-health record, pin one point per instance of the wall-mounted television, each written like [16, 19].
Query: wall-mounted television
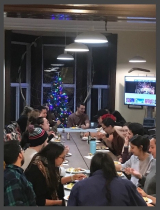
[140, 90]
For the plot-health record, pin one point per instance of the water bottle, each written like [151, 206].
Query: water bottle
[92, 146]
[89, 138]
[68, 136]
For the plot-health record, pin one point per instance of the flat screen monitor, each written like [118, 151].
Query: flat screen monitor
[140, 91]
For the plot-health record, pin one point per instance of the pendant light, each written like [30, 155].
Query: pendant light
[65, 56]
[137, 59]
[76, 47]
[91, 37]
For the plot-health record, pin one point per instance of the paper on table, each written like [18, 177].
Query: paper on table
[88, 157]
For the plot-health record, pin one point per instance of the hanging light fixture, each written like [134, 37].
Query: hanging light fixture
[137, 59]
[76, 47]
[65, 56]
[91, 37]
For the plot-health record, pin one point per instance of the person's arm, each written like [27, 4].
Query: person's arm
[53, 202]
[14, 194]
[67, 179]
[119, 130]
[87, 124]
[126, 154]
[74, 195]
[118, 145]
[135, 198]
[143, 194]
[127, 164]
[69, 123]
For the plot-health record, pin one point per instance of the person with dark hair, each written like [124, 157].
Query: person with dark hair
[115, 141]
[37, 139]
[43, 111]
[18, 190]
[32, 117]
[140, 160]
[133, 129]
[23, 119]
[125, 153]
[104, 187]
[148, 182]
[100, 131]
[52, 119]
[119, 117]
[43, 173]
[79, 118]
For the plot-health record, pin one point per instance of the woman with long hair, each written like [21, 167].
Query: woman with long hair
[43, 173]
[148, 183]
[104, 187]
[140, 160]
[130, 129]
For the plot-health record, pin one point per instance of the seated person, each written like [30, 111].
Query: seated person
[23, 119]
[43, 172]
[140, 160]
[18, 191]
[104, 187]
[100, 131]
[79, 118]
[115, 141]
[133, 129]
[148, 183]
[119, 118]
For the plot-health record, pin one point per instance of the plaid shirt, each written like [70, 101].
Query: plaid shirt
[18, 190]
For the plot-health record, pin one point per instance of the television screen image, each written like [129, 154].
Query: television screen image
[130, 100]
[140, 90]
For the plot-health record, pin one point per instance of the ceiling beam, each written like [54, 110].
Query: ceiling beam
[116, 10]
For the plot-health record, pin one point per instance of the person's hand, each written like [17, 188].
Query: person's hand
[83, 126]
[120, 160]
[127, 171]
[126, 141]
[135, 173]
[148, 204]
[58, 122]
[79, 176]
[66, 149]
[141, 192]
[51, 132]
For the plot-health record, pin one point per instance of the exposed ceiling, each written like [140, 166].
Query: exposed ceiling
[45, 19]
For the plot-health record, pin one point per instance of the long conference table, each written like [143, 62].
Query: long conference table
[78, 148]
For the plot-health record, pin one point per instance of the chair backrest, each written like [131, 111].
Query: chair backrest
[149, 122]
[152, 131]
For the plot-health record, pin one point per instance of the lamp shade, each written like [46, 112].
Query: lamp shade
[65, 56]
[91, 37]
[137, 59]
[76, 47]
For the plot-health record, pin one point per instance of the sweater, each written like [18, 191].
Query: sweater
[92, 192]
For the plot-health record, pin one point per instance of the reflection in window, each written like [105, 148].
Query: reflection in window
[50, 54]
[17, 51]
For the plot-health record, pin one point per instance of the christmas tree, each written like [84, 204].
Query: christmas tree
[58, 101]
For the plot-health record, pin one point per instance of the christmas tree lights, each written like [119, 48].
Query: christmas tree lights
[58, 101]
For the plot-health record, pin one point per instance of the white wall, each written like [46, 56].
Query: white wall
[130, 44]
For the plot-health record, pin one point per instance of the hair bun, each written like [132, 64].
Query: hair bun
[30, 128]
